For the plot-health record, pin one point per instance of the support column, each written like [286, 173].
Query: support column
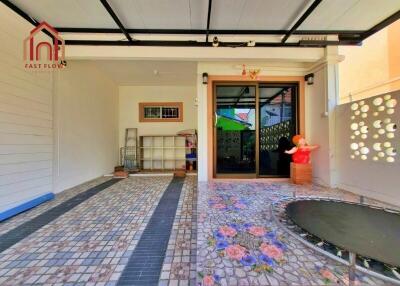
[321, 101]
[202, 145]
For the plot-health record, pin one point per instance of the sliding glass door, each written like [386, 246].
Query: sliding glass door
[254, 124]
[277, 125]
[235, 129]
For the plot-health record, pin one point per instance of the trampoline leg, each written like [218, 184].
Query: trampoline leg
[352, 268]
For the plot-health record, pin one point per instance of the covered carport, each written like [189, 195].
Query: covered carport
[62, 128]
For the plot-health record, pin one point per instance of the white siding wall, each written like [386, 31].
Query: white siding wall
[26, 143]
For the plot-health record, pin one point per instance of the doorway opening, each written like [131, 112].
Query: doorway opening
[253, 126]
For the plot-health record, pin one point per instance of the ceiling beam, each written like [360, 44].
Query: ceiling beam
[308, 44]
[381, 25]
[320, 43]
[116, 19]
[301, 19]
[208, 19]
[203, 32]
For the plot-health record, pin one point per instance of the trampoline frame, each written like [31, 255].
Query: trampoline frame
[320, 250]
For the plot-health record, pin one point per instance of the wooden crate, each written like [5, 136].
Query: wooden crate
[301, 173]
[180, 173]
[121, 174]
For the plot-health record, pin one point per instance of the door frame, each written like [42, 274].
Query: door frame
[212, 81]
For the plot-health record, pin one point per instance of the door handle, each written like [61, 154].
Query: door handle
[216, 119]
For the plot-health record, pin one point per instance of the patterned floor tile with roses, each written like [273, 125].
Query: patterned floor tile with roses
[239, 243]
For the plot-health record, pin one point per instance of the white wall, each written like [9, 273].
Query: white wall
[321, 100]
[320, 120]
[317, 126]
[25, 119]
[86, 124]
[364, 66]
[376, 179]
[131, 96]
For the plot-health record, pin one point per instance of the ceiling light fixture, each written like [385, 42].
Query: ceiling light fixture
[215, 42]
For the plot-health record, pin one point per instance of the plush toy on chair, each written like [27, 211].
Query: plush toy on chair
[301, 168]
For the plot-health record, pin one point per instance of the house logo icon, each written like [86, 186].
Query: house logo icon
[53, 49]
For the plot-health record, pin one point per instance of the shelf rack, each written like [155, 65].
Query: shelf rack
[162, 152]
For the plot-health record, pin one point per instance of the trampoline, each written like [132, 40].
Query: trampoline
[366, 231]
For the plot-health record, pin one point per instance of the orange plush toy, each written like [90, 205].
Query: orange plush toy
[301, 153]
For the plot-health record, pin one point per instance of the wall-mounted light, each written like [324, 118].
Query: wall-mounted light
[205, 78]
[309, 78]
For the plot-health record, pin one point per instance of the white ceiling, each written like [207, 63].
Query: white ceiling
[226, 14]
[255, 14]
[70, 13]
[350, 14]
[149, 72]
[162, 14]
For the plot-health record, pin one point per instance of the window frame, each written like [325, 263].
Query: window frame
[143, 105]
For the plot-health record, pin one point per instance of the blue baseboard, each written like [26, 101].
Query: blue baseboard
[25, 206]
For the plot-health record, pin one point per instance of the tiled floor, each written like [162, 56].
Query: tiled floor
[89, 245]
[144, 265]
[61, 197]
[221, 238]
[239, 243]
[29, 227]
[180, 262]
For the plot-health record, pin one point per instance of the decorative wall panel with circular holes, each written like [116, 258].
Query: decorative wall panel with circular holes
[374, 130]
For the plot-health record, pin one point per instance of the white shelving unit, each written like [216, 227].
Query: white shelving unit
[162, 152]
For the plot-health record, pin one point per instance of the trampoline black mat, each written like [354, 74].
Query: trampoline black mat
[366, 231]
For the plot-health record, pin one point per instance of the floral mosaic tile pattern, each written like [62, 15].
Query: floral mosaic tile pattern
[228, 202]
[89, 245]
[243, 246]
